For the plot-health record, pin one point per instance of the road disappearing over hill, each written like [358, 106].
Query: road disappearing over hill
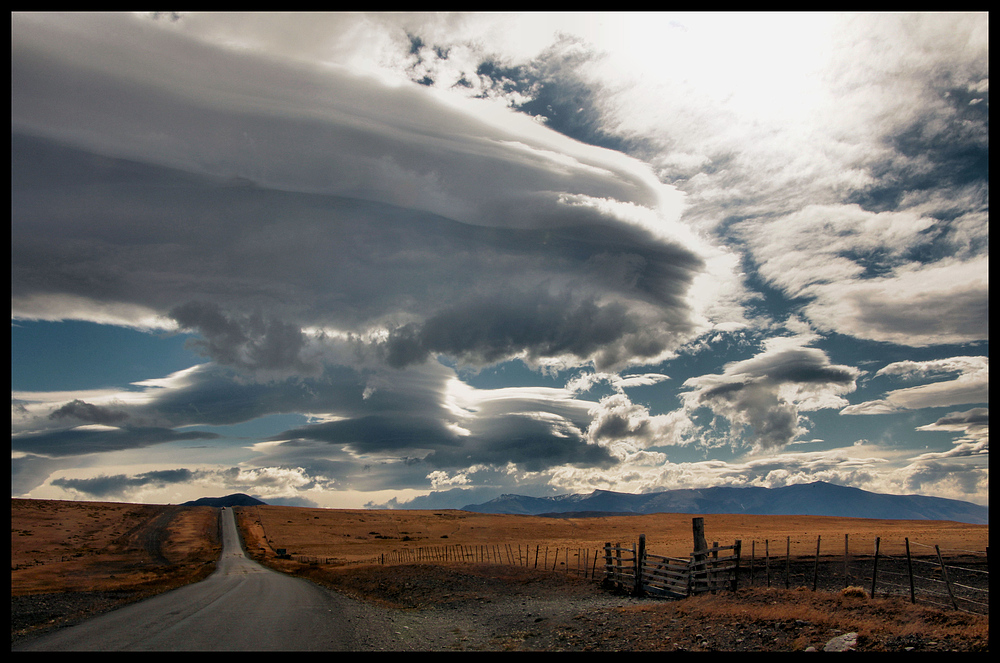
[242, 606]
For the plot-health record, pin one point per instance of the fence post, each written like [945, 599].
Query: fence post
[618, 563]
[816, 565]
[698, 557]
[944, 573]
[640, 559]
[607, 559]
[846, 574]
[767, 560]
[875, 566]
[788, 552]
[737, 548]
[909, 570]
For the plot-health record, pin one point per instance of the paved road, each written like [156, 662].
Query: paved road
[243, 606]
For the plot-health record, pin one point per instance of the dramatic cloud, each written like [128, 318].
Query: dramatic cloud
[113, 486]
[414, 220]
[767, 392]
[78, 441]
[971, 385]
[89, 412]
[420, 259]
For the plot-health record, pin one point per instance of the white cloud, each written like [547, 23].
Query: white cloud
[971, 385]
[918, 306]
[277, 183]
[768, 392]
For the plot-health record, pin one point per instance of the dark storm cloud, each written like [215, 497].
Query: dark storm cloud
[212, 395]
[116, 485]
[376, 433]
[799, 365]
[533, 444]
[366, 411]
[77, 441]
[254, 343]
[90, 413]
[254, 200]
[329, 260]
[531, 433]
[540, 325]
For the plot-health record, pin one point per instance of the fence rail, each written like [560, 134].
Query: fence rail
[961, 584]
[640, 572]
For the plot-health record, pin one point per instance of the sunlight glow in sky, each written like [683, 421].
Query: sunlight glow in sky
[421, 260]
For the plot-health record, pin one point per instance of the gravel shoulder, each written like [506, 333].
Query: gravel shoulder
[494, 608]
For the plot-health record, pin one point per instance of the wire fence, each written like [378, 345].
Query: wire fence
[920, 572]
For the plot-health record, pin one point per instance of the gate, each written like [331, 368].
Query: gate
[634, 570]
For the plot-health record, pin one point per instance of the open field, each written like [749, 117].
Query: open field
[98, 546]
[71, 559]
[754, 619]
[351, 536]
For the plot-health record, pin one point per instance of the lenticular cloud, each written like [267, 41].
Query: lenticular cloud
[291, 197]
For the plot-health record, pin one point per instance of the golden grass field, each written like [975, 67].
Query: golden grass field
[361, 535]
[61, 546]
[95, 556]
[67, 546]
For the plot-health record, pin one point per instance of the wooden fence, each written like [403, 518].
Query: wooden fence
[915, 570]
[636, 570]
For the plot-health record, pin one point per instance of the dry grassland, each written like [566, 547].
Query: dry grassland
[73, 559]
[67, 546]
[352, 536]
[754, 619]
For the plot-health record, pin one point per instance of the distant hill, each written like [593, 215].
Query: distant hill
[811, 499]
[236, 499]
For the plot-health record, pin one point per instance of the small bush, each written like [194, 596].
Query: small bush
[853, 592]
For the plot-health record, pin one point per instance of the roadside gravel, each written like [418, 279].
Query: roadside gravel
[437, 608]
[508, 623]
[433, 608]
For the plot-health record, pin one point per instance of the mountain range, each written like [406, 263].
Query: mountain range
[811, 499]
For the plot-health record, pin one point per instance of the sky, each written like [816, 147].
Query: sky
[390, 260]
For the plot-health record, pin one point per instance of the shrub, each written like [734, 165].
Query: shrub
[854, 592]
